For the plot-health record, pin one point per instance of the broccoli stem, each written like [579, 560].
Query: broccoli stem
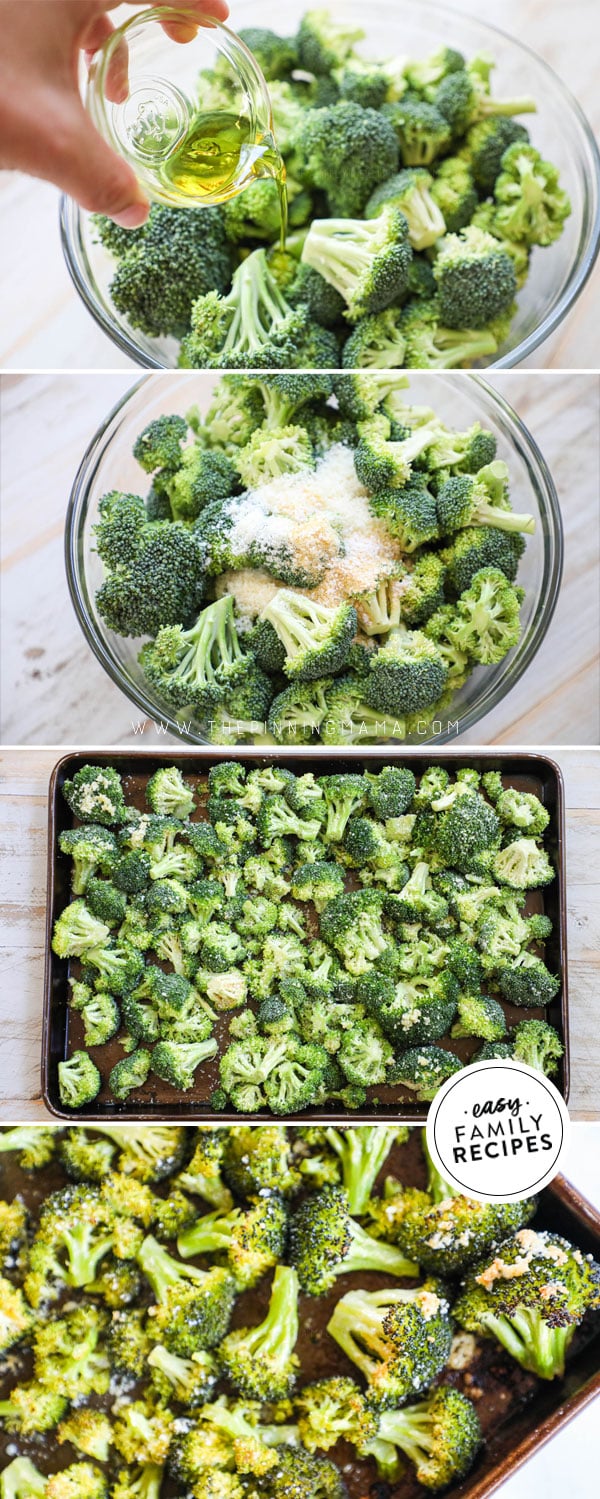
[210, 1233]
[366, 1253]
[277, 1335]
[162, 1270]
[362, 1152]
[531, 1341]
[504, 520]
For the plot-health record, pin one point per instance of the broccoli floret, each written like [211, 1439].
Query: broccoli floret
[475, 278]
[197, 668]
[252, 1242]
[479, 1015]
[90, 1431]
[178, 257]
[532, 207]
[350, 719]
[69, 1353]
[454, 193]
[269, 455]
[479, 547]
[485, 145]
[423, 1069]
[520, 809]
[35, 1144]
[78, 1481]
[176, 1062]
[296, 714]
[160, 445]
[352, 924]
[143, 1434]
[316, 639]
[377, 342]
[534, 1312]
[91, 847]
[410, 192]
[260, 1361]
[384, 463]
[538, 1045]
[421, 130]
[479, 501]
[463, 98]
[325, 1242]
[167, 793]
[22, 1480]
[95, 794]
[193, 1306]
[322, 45]
[422, 590]
[347, 151]
[252, 327]
[366, 261]
[255, 213]
[318, 883]
[131, 1072]
[32, 1408]
[16, 1317]
[527, 981]
[431, 345]
[160, 584]
[76, 931]
[523, 865]
[105, 901]
[101, 1017]
[440, 1436]
[399, 1339]
[406, 674]
[79, 1080]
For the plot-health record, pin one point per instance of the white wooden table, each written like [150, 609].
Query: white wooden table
[44, 325]
[24, 775]
[52, 687]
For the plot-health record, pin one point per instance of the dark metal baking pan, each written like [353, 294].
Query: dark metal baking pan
[518, 1412]
[63, 1029]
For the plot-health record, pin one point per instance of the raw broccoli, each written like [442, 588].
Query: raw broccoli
[410, 192]
[76, 930]
[376, 342]
[440, 1436]
[346, 151]
[352, 924]
[349, 719]
[79, 1080]
[532, 206]
[197, 668]
[454, 193]
[533, 1313]
[96, 794]
[160, 445]
[384, 462]
[252, 327]
[479, 547]
[270, 454]
[91, 847]
[479, 1015]
[390, 791]
[260, 1361]
[365, 260]
[406, 674]
[399, 1339]
[101, 1017]
[423, 1069]
[364, 83]
[527, 981]
[325, 1242]
[316, 638]
[431, 345]
[538, 1045]
[481, 500]
[322, 45]
[176, 1062]
[131, 1072]
[523, 865]
[475, 278]
[105, 901]
[318, 882]
[193, 1306]
[161, 583]
[520, 809]
[255, 213]
[421, 130]
[177, 258]
[485, 145]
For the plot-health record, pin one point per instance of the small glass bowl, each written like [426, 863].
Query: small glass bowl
[559, 130]
[459, 398]
[144, 97]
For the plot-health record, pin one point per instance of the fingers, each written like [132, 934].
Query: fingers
[75, 157]
[116, 83]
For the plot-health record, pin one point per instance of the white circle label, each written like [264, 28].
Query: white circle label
[498, 1131]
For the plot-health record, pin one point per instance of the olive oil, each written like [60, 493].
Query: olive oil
[208, 163]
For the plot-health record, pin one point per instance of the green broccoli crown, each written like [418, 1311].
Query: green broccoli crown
[481, 500]
[408, 512]
[440, 1436]
[325, 1241]
[423, 1069]
[532, 1312]
[252, 327]
[479, 547]
[316, 639]
[177, 258]
[431, 345]
[421, 130]
[79, 1080]
[399, 1338]
[159, 585]
[365, 260]
[532, 206]
[384, 462]
[346, 151]
[260, 1361]
[523, 865]
[527, 981]
[95, 794]
[159, 446]
[199, 667]
[410, 191]
[454, 193]
[130, 1073]
[376, 342]
[475, 278]
[406, 674]
[485, 145]
[193, 1307]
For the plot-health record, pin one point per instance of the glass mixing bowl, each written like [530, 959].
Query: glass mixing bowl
[559, 130]
[459, 399]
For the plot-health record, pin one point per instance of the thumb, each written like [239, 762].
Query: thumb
[84, 166]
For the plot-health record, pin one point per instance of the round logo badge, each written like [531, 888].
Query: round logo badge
[498, 1131]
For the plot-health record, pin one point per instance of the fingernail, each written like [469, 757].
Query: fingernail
[132, 217]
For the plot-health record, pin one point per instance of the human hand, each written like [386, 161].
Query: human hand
[44, 128]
